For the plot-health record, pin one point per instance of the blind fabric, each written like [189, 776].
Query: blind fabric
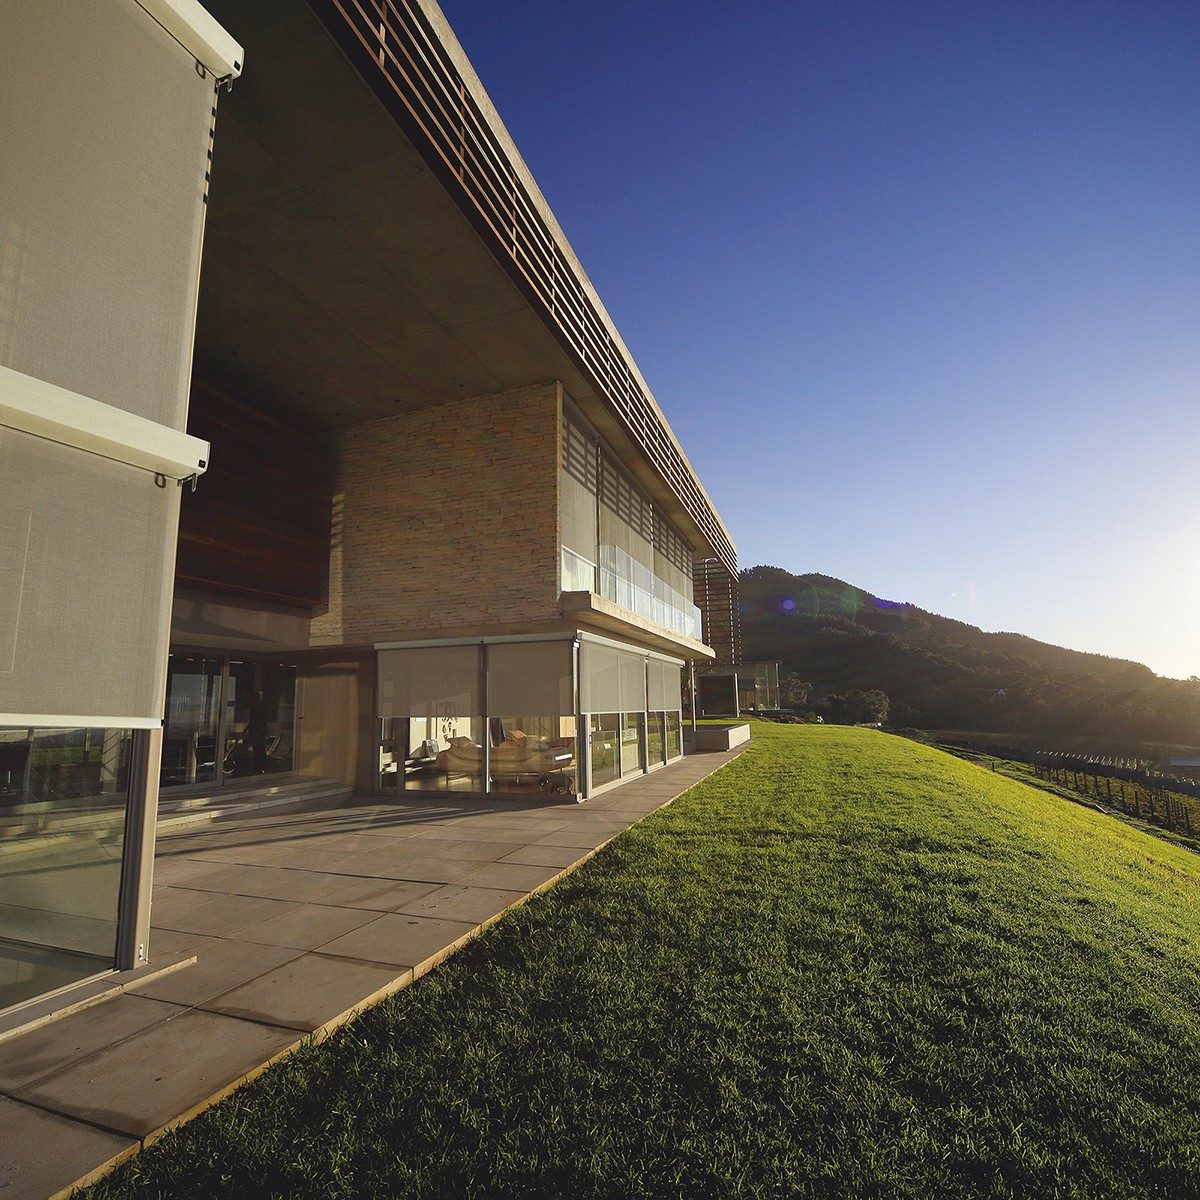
[599, 678]
[527, 679]
[87, 555]
[430, 681]
[611, 680]
[633, 682]
[103, 151]
[664, 686]
[577, 513]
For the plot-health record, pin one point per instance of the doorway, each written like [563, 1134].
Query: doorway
[228, 717]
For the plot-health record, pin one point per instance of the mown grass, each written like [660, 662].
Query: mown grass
[846, 966]
[1141, 799]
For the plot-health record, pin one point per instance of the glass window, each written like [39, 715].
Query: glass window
[420, 754]
[632, 725]
[656, 739]
[674, 735]
[533, 754]
[577, 509]
[63, 799]
[604, 748]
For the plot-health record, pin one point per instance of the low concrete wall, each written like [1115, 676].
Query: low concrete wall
[719, 737]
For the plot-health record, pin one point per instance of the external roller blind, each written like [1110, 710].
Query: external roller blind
[611, 679]
[664, 686]
[577, 485]
[431, 681]
[528, 679]
[104, 146]
[599, 678]
[626, 518]
[633, 682]
[87, 552]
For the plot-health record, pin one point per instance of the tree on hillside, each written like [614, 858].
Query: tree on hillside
[793, 691]
[857, 707]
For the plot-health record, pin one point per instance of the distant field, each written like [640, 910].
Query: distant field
[846, 966]
[1095, 744]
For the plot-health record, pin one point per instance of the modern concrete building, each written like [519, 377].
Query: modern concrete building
[408, 519]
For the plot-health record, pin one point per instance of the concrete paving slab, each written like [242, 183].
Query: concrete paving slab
[165, 942]
[583, 839]
[43, 1154]
[473, 833]
[275, 883]
[221, 964]
[161, 1075]
[50, 1048]
[306, 926]
[471, 850]
[406, 941]
[222, 916]
[178, 871]
[546, 856]
[380, 895]
[418, 868]
[454, 902]
[311, 991]
[509, 875]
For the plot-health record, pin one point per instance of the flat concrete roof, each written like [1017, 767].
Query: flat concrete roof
[340, 280]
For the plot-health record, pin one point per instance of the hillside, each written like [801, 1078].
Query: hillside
[945, 674]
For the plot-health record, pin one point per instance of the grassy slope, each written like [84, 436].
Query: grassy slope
[846, 966]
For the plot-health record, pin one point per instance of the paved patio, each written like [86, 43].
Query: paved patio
[296, 920]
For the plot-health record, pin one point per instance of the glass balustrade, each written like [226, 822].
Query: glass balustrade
[632, 586]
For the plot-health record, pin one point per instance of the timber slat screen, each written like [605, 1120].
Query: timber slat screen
[392, 44]
[717, 595]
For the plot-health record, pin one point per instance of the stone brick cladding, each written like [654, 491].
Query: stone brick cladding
[444, 518]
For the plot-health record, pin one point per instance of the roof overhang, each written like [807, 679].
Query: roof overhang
[343, 279]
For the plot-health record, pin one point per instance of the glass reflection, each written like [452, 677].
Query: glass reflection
[63, 799]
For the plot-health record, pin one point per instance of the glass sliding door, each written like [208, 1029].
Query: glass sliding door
[227, 718]
[63, 800]
[664, 692]
[260, 714]
[192, 720]
[674, 735]
[656, 744]
[632, 725]
[604, 745]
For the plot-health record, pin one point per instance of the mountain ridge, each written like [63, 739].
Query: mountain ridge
[940, 672]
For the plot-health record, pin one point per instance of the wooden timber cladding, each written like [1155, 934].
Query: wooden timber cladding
[258, 524]
[717, 597]
[410, 69]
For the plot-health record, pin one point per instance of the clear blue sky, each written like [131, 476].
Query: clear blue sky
[917, 285]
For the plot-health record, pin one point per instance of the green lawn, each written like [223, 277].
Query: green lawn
[846, 966]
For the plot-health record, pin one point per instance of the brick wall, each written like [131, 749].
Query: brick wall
[445, 518]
